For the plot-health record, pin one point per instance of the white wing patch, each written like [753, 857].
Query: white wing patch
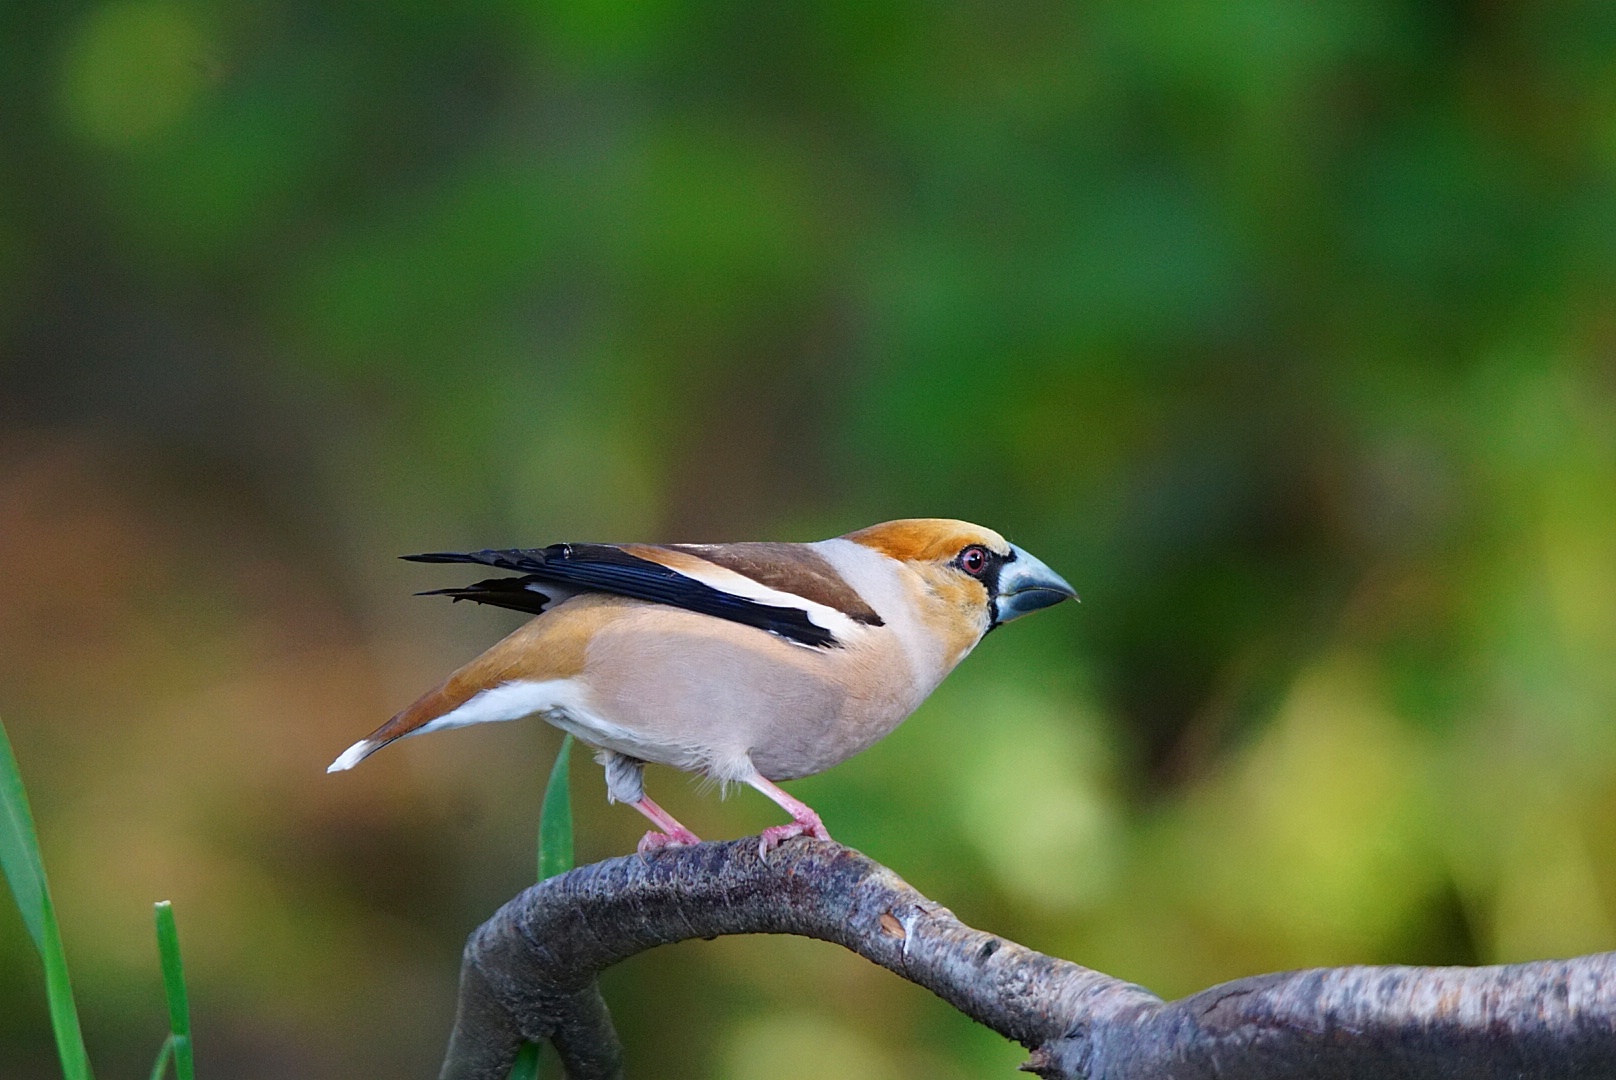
[838, 624]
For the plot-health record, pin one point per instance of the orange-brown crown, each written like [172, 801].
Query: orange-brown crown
[927, 539]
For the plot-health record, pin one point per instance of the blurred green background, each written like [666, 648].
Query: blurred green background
[1284, 330]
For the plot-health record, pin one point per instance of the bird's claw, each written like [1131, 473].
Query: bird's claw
[775, 835]
[656, 841]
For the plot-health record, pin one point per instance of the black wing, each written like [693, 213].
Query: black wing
[604, 568]
[517, 593]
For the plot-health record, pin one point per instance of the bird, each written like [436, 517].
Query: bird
[746, 663]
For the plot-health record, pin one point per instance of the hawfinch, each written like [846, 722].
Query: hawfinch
[746, 663]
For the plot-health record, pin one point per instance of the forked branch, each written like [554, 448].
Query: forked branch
[529, 973]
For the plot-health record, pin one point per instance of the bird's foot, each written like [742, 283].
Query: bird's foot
[656, 841]
[804, 824]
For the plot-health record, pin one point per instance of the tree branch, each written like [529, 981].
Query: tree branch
[529, 973]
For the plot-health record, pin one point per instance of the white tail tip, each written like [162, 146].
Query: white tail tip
[351, 756]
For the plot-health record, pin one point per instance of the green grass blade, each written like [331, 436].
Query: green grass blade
[555, 820]
[19, 851]
[527, 1063]
[555, 857]
[25, 872]
[163, 1055]
[179, 1003]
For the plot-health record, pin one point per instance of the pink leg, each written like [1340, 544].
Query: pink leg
[673, 834]
[804, 822]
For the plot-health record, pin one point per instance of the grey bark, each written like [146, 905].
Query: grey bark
[529, 973]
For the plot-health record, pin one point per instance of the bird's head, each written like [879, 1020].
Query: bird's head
[973, 578]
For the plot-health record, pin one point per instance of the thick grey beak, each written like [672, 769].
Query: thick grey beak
[1026, 584]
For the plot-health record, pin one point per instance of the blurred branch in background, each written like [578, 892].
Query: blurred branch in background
[529, 973]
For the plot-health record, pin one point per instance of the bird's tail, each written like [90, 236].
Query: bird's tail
[439, 701]
[504, 683]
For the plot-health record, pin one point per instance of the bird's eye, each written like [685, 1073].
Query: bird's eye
[974, 560]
